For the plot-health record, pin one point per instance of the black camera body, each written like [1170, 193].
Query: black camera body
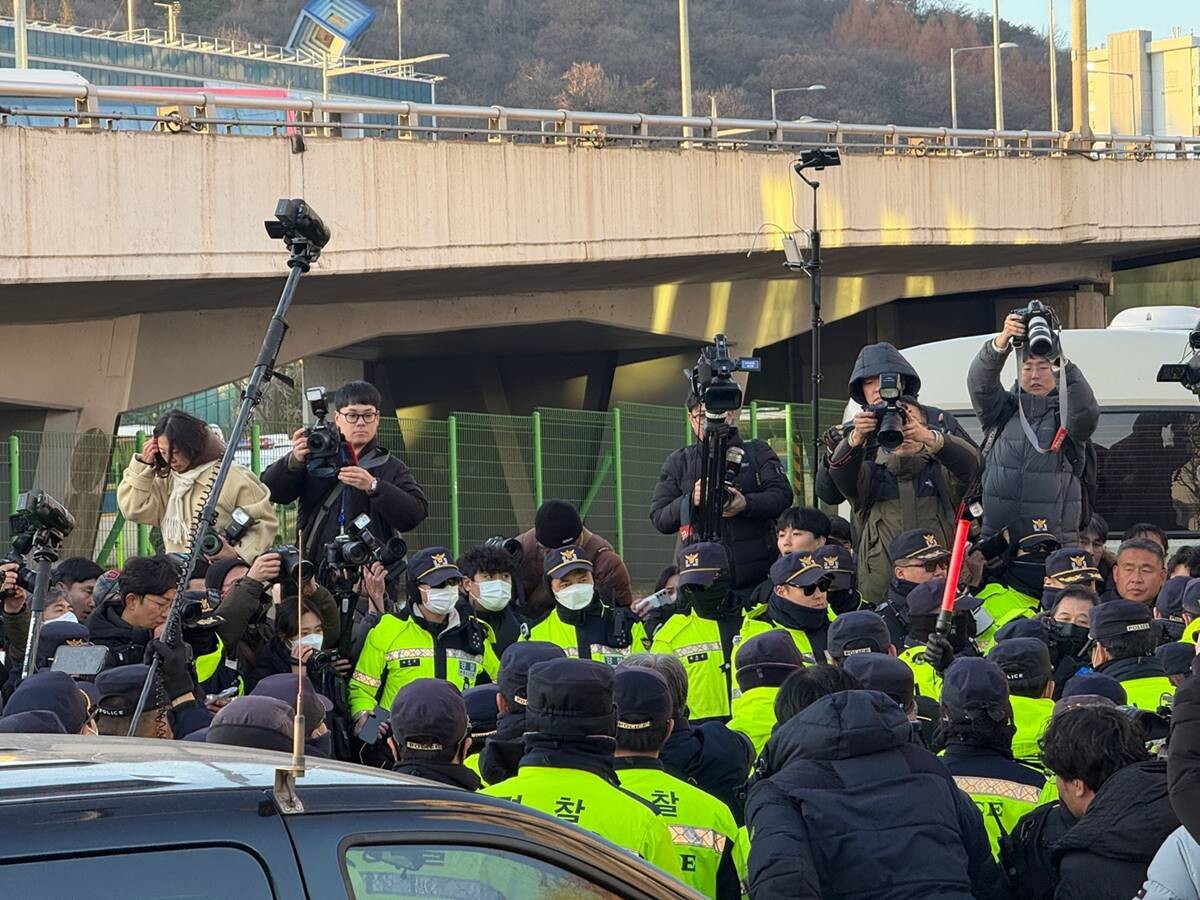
[511, 546]
[889, 414]
[361, 548]
[712, 378]
[1041, 330]
[40, 514]
[324, 439]
[240, 522]
[1184, 373]
[292, 567]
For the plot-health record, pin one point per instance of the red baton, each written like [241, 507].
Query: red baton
[956, 563]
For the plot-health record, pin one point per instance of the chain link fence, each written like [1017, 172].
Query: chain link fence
[483, 474]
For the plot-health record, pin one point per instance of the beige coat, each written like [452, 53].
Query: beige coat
[142, 498]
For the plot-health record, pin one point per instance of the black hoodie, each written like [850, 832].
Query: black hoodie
[126, 644]
[849, 807]
[1106, 853]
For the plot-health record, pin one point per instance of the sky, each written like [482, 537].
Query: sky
[1104, 16]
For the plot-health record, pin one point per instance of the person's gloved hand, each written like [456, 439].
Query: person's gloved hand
[176, 666]
[938, 652]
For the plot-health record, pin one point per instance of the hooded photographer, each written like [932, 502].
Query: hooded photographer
[1031, 470]
[918, 483]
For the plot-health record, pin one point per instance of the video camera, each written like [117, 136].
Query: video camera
[40, 521]
[511, 546]
[298, 227]
[712, 378]
[361, 548]
[1041, 330]
[324, 439]
[1185, 373]
[240, 522]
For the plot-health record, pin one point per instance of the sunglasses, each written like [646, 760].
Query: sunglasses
[932, 565]
[822, 586]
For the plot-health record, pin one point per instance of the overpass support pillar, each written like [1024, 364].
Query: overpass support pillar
[1087, 309]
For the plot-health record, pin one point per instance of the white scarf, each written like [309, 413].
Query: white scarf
[175, 521]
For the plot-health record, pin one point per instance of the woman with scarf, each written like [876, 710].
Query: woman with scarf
[166, 485]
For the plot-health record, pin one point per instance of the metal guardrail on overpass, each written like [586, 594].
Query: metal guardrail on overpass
[209, 111]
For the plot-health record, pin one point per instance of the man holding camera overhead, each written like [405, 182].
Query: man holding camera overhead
[363, 477]
[901, 465]
[1035, 434]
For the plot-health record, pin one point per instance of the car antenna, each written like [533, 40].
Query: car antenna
[284, 792]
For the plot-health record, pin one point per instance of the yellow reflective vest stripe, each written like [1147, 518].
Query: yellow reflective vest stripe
[1000, 802]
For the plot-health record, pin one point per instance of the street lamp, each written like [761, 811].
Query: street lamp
[685, 65]
[775, 92]
[1133, 128]
[954, 51]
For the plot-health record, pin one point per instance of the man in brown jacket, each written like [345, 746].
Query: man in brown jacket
[558, 525]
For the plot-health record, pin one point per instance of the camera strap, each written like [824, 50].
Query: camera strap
[1060, 435]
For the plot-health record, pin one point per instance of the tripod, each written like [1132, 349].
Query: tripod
[46, 544]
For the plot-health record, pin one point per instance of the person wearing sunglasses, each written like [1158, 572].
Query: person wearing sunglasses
[917, 557]
[368, 480]
[799, 604]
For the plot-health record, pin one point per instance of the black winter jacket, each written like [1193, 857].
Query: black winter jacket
[1105, 855]
[1025, 853]
[850, 808]
[398, 505]
[749, 537]
[501, 754]
[1183, 763]
[712, 757]
[126, 644]
[451, 774]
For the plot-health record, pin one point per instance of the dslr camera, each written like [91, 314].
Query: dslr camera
[240, 522]
[361, 548]
[712, 378]
[1041, 330]
[324, 440]
[292, 568]
[889, 414]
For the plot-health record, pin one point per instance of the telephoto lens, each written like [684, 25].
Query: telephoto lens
[891, 428]
[1040, 337]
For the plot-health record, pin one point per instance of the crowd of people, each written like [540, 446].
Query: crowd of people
[781, 716]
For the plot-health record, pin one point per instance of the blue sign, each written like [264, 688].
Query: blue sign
[330, 27]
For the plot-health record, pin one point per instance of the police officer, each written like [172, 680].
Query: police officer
[977, 727]
[567, 770]
[917, 557]
[483, 709]
[1191, 612]
[761, 665]
[1025, 662]
[704, 638]
[584, 621]
[843, 595]
[1123, 648]
[1168, 608]
[434, 636]
[431, 733]
[503, 750]
[860, 631]
[1018, 589]
[798, 528]
[702, 827]
[928, 653]
[798, 604]
[215, 672]
[1176, 658]
[1068, 567]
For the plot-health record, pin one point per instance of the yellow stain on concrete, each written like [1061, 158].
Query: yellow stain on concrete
[831, 215]
[960, 228]
[1024, 238]
[775, 192]
[895, 228]
[847, 295]
[663, 307]
[777, 315]
[718, 306]
[919, 286]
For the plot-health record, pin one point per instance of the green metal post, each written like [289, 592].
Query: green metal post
[452, 429]
[597, 482]
[256, 449]
[620, 500]
[689, 436]
[787, 440]
[754, 419]
[538, 485]
[143, 531]
[14, 473]
[120, 545]
[115, 536]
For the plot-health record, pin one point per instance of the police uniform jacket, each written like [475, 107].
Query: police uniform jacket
[1144, 679]
[600, 632]
[1002, 789]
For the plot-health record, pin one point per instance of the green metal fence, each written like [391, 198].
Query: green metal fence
[483, 474]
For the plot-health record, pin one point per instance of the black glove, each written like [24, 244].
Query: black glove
[176, 666]
[939, 653]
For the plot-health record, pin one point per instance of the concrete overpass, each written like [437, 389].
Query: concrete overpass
[137, 263]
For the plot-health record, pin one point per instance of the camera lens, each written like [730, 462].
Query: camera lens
[890, 433]
[356, 553]
[318, 442]
[210, 544]
[1040, 337]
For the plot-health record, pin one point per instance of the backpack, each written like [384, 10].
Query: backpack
[1081, 455]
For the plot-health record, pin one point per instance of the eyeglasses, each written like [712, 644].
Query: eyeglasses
[932, 565]
[160, 602]
[354, 418]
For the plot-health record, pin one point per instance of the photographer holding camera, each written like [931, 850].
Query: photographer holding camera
[360, 477]
[901, 465]
[1036, 434]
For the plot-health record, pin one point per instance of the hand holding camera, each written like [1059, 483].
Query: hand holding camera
[300, 444]
[863, 427]
[1014, 327]
[265, 568]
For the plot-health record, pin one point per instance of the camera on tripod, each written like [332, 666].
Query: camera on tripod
[240, 522]
[298, 227]
[712, 378]
[324, 439]
[361, 548]
[889, 414]
[1041, 330]
[39, 524]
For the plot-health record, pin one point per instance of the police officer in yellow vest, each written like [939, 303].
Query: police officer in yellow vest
[978, 730]
[798, 603]
[567, 769]
[702, 828]
[760, 666]
[1068, 567]
[927, 653]
[704, 638]
[584, 621]
[1025, 662]
[434, 636]
[1018, 589]
[1123, 641]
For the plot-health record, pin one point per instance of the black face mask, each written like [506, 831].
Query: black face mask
[1070, 638]
[902, 587]
[792, 615]
[709, 601]
[1050, 597]
[1026, 574]
[844, 601]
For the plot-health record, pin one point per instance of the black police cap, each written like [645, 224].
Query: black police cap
[1176, 657]
[1191, 597]
[643, 699]
[1169, 602]
[883, 672]
[1028, 533]
[1071, 565]
[838, 562]
[926, 599]
[429, 714]
[55, 692]
[1026, 627]
[800, 569]
[701, 563]
[481, 709]
[565, 560]
[119, 689]
[766, 659]
[1022, 658]
[283, 687]
[973, 687]
[433, 566]
[35, 721]
[570, 698]
[1117, 618]
[859, 631]
[920, 545]
[515, 663]
[1094, 684]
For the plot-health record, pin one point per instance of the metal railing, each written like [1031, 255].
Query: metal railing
[102, 106]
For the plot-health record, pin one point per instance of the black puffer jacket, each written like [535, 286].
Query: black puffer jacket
[1184, 760]
[1018, 481]
[712, 757]
[850, 808]
[1105, 855]
[126, 644]
[749, 537]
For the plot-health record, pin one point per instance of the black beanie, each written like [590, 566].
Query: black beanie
[571, 698]
[215, 577]
[557, 524]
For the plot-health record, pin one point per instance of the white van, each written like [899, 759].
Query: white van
[1148, 439]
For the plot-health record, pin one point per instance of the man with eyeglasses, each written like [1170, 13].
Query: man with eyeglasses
[917, 557]
[125, 622]
[370, 480]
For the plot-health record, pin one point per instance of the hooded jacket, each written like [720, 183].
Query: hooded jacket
[1105, 855]
[850, 808]
[1183, 763]
[398, 505]
[126, 644]
[749, 538]
[712, 757]
[447, 773]
[1018, 481]
[501, 754]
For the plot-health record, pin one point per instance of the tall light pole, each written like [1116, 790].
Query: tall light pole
[129, 19]
[1133, 126]
[1079, 84]
[20, 35]
[1053, 72]
[399, 29]
[997, 71]
[954, 51]
[775, 92]
[685, 65]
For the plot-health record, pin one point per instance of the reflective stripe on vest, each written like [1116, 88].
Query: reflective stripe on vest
[691, 836]
[998, 787]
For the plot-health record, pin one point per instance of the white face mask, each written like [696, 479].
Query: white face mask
[68, 616]
[494, 595]
[312, 640]
[441, 600]
[575, 596]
